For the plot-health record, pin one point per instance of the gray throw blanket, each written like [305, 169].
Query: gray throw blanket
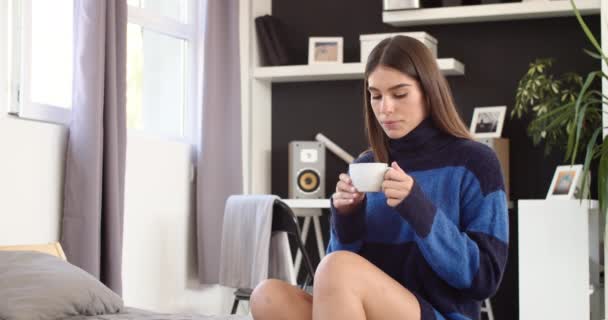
[248, 255]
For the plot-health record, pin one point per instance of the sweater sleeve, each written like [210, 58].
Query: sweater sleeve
[470, 255]
[347, 230]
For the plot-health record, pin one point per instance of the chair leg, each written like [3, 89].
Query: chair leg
[235, 305]
[307, 263]
[488, 309]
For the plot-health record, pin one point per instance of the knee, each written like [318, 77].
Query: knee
[337, 271]
[266, 299]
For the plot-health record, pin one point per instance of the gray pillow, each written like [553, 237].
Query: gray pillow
[38, 286]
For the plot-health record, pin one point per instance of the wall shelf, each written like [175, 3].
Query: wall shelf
[307, 203]
[343, 71]
[489, 12]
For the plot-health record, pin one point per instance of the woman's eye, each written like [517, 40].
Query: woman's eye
[400, 96]
[376, 97]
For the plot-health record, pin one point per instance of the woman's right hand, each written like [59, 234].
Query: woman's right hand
[346, 198]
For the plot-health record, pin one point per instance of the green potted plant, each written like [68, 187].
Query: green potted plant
[549, 100]
[568, 108]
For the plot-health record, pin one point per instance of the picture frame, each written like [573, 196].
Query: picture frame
[325, 50]
[488, 122]
[566, 182]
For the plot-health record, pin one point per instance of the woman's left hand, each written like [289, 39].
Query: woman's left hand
[397, 185]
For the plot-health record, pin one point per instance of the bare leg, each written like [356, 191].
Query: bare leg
[278, 300]
[348, 286]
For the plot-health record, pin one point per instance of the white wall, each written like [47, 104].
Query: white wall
[31, 175]
[159, 262]
[256, 99]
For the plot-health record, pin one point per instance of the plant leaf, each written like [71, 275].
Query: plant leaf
[588, 156]
[554, 112]
[588, 32]
[593, 54]
[579, 126]
[558, 121]
[572, 137]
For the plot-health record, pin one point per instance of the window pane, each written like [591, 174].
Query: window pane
[134, 75]
[175, 9]
[134, 3]
[156, 82]
[51, 50]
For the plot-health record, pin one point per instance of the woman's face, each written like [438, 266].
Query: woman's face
[397, 101]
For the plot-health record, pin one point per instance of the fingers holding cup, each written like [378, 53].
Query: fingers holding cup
[346, 196]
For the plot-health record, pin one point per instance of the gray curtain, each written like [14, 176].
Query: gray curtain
[219, 173]
[95, 162]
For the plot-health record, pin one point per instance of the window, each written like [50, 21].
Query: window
[45, 81]
[162, 55]
[161, 52]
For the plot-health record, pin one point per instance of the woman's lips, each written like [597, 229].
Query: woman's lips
[390, 124]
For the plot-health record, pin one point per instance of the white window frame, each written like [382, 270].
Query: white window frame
[10, 31]
[25, 107]
[4, 54]
[188, 31]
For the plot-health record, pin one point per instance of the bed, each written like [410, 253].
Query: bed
[135, 314]
[37, 282]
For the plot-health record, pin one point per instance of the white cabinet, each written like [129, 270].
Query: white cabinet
[558, 259]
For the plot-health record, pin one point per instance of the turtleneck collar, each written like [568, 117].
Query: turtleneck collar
[424, 138]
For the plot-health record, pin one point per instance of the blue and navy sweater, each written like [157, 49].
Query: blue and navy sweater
[447, 241]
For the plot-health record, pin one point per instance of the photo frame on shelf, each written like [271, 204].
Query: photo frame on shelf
[566, 182]
[487, 122]
[325, 50]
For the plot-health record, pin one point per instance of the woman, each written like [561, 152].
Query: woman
[433, 243]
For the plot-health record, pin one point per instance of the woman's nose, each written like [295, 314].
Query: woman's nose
[386, 106]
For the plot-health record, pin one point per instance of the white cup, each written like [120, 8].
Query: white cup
[367, 177]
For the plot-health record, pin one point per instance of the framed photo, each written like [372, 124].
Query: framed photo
[487, 122]
[324, 50]
[566, 182]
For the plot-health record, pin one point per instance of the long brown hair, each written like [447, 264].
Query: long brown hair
[414, 59]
